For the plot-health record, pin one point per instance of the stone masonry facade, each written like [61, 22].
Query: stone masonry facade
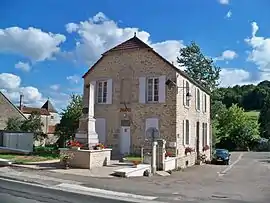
[8, 110]
[125, 68]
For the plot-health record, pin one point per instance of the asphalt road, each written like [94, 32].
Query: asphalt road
[12, 192]
[245, 180]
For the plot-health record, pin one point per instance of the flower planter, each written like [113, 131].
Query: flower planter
[76, 148]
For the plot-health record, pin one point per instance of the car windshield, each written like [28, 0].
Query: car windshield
[221, 151]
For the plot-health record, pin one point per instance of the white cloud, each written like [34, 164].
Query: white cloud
[9, 81]
[99, 33]
[55, 87]
[23, 66]
[231, 77]
[32, 43]
[227, 55]
[74, 79]
[229, 14]
[10, 85]
[260, 52]
[224, 2]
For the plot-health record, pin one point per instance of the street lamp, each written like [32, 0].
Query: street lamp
[171, 84]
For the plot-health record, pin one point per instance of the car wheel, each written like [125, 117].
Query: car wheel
[227, 162]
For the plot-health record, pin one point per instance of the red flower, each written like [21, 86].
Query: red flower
[168, 154]
[74, 143]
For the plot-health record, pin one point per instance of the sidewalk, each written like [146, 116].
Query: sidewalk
[188, 185]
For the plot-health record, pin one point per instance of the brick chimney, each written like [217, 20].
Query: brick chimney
[21, 102]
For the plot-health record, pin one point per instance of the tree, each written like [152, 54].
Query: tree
[264, 118]
[198, 66]
[33, 124]
[13, 124]
[69, 122]
[236, 128]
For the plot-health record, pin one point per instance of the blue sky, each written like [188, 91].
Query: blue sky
[46, 46]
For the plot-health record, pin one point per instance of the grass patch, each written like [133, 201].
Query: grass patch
[133, 158]
[39, 154]
[25, 158]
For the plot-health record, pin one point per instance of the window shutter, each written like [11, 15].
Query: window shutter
[195, 99]
[184, 93]
[162, 89]
[110, 92]
[183, 137]
[95, 90]
[142, 90]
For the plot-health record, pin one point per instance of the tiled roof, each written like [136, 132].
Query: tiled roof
[48, 105]
[12, 104]
[29, 110]
[132, 43]
[135, 43]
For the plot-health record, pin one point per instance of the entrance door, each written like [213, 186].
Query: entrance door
[198, 138]
[125, 140]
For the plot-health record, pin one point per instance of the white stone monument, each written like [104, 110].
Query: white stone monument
[89, 135]
[92, 135]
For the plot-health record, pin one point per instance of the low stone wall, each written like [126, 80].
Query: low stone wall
[88, 159]
[186, 161]
[170, 163]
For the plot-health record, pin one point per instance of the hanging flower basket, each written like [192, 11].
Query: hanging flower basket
[206, 147]
[188, 150]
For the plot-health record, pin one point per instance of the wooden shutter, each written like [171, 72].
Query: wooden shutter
[142, 90]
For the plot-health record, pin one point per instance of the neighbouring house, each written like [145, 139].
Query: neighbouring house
[140, 95]
[8, 110]
[49, 116]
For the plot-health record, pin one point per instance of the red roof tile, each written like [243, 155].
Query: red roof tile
[132, 43]
[29, 110]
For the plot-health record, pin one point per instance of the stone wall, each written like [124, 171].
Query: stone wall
[132, 65]
[186, 161]
[7, 110]
[184, 112]
[88, 159]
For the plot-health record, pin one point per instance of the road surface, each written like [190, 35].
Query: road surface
[13, 192]
[245, 180]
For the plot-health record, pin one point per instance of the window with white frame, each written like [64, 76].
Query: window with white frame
[186, 94]
[102, 92]
[198, 100]
[152, 89]
[204, 134]
[187, 132]
[204, 103]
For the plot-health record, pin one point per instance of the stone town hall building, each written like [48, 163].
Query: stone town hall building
[137, 92]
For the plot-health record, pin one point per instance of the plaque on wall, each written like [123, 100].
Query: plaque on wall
[125, 122]
[125, 109]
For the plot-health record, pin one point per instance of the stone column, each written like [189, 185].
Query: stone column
[161, 150]
[154, 156]
[92, 135]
